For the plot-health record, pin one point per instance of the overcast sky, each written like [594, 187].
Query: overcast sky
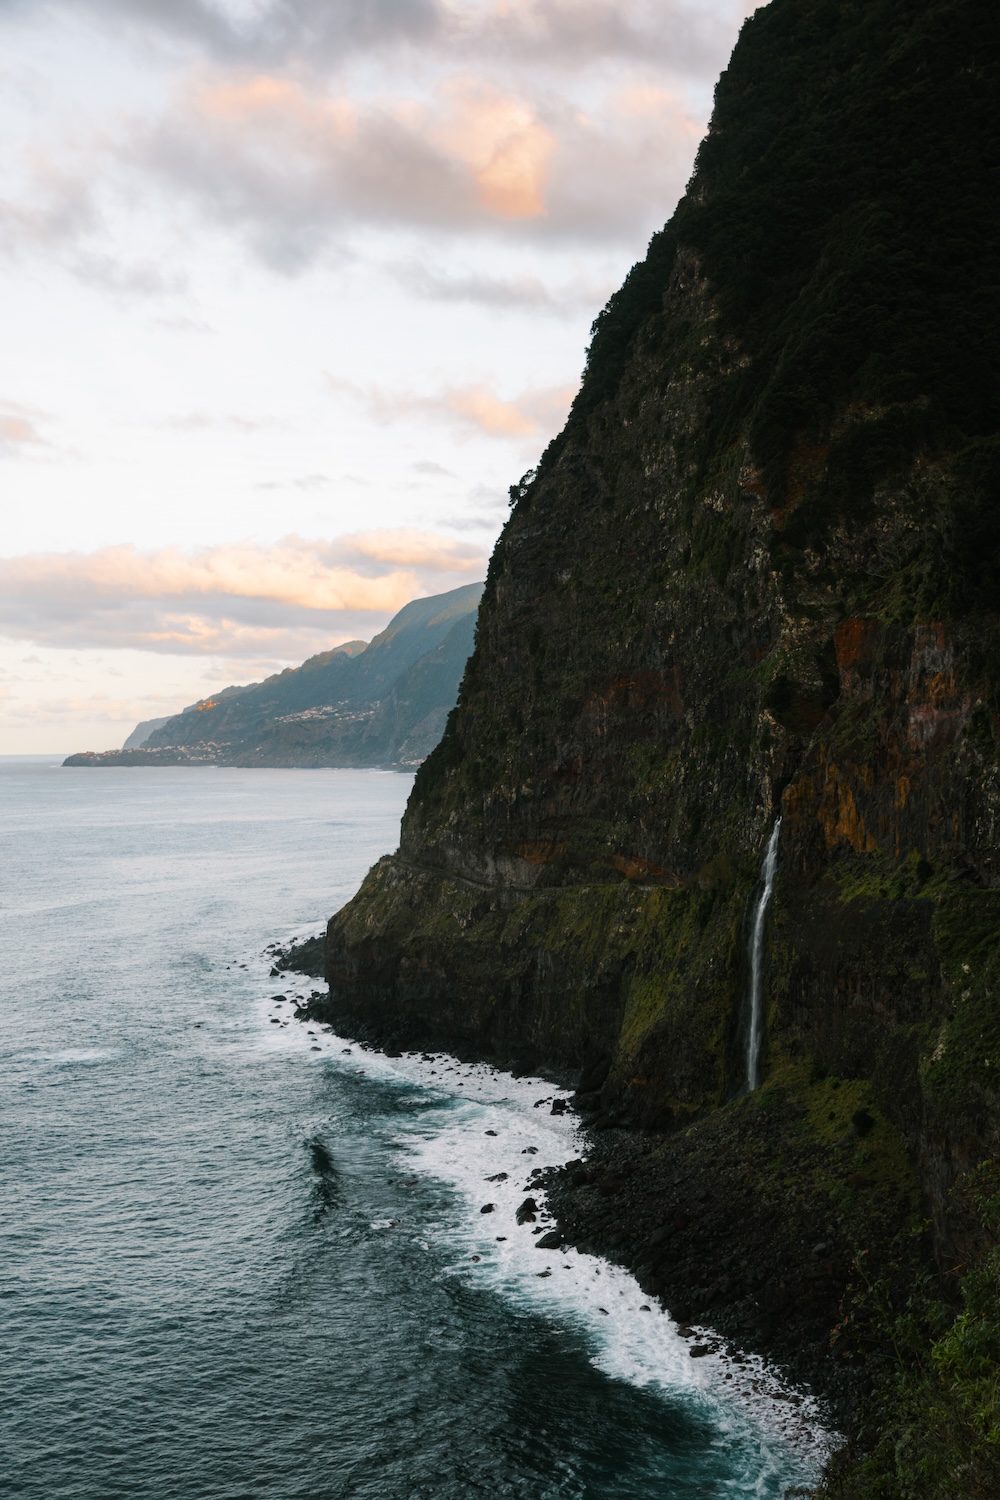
[294, 289]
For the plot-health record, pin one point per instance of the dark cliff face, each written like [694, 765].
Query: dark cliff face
[759, 572]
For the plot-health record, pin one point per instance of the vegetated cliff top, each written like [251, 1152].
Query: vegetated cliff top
[844, 208]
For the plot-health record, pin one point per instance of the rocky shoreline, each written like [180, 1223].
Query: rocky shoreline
[771, 1272]
[730, 1223]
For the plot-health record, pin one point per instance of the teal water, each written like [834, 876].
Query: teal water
[242, 1260]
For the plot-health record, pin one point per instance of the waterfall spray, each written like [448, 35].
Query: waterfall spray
[755, 1035]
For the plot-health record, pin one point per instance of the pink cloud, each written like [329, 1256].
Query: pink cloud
[294, 164]
[19, 431]
[531, 414]
[238, 599]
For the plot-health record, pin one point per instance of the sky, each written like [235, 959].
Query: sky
[293, 291]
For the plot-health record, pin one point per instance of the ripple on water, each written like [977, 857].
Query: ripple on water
[237, 1266]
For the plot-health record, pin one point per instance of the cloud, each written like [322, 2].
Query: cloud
[410, 548]
[473, 132]
[19, 432]
[183, 324]
[66, 712]
[428, 466]
[287, 29]
[533, 413]
[484, 509]
[562, 34]
[303, 482]
[271, 133]
[56, 208]
[296, 168]
[128, 280]
[237, 600]
[522, 292]
[571, 34]
[203, 421]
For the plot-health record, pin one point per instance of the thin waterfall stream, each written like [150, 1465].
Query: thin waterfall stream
[755, 1035]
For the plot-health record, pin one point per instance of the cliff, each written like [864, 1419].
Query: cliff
[143, 730]
[382, 703]
[756, 575]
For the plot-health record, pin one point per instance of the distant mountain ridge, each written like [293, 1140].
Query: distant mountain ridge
[143, 730]
[383, 703]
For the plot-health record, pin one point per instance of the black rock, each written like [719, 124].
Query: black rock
[526, 1213]
[594, 1076]
[551, 1241]
[488, 1208]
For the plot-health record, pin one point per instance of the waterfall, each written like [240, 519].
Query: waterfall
[755, 1035]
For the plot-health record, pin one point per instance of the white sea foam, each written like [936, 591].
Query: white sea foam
[496, 1131]
[76, 1056]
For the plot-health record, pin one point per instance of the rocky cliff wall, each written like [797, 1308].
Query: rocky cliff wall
[757, 574]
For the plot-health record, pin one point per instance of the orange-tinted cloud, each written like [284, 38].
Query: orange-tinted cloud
[466, 119]
[238, 599]
[19, 431]
[296, 165]
[531, 414]
[501, 142]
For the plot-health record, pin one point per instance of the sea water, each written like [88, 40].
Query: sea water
[245, 1257]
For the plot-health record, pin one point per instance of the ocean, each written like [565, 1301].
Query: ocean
[243, 1256]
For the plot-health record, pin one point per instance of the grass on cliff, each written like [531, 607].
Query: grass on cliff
[932, 1428]
[845, 208]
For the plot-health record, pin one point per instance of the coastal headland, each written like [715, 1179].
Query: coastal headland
[757, 577]
[380, 703]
